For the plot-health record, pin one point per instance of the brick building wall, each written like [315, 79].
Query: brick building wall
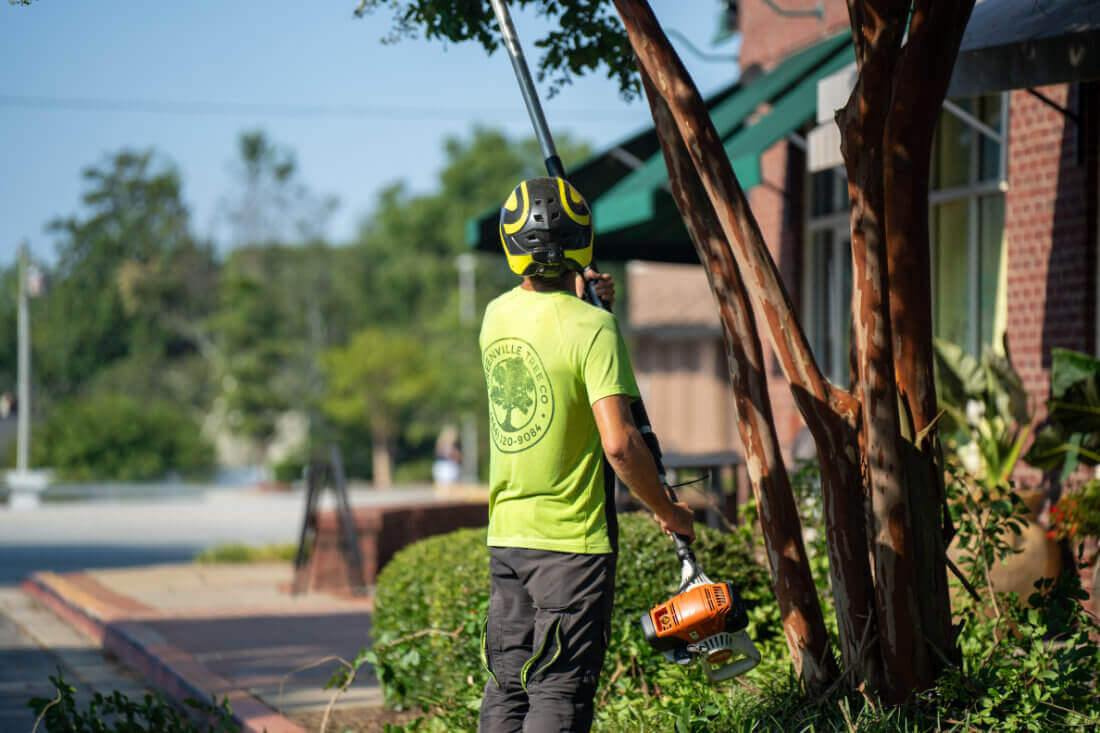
[778, 203]
[1050, 230]
[771, 37]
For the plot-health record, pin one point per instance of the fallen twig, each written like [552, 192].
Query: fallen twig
[332, 700]
[417, 634]
[310, 665]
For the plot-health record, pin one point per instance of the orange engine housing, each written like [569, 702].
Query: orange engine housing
[693, 615]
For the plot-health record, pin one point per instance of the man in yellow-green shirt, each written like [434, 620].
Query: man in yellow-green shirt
[560, 386]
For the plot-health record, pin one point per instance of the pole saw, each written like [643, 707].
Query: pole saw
[703, 620]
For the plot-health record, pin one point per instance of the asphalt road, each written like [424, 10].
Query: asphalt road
[77, 535]
[119, 532]
[25, 669]
[35, 645]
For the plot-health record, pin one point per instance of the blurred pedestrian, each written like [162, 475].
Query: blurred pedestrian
[447, 467]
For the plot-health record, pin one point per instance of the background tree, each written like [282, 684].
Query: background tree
[9, 284]
[129, 284]
[895, 623]
[277, 306]
[272, 204]
[135, 220]
[389, 378]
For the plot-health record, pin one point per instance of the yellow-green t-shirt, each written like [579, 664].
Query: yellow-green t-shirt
[548, 356]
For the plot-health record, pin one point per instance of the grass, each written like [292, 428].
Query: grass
[246, 554]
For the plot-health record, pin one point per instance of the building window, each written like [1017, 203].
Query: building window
[966, 222]
[966, 217]
[827, 284]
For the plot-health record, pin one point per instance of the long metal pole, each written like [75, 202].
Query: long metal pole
[23, 430]
[534, 109]
[527, 88]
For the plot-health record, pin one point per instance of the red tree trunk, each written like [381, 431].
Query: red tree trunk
[831, 414]
[803, 623]
[886, 129]
[920, 84]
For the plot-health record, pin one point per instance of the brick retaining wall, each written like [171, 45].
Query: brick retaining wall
[381, 531]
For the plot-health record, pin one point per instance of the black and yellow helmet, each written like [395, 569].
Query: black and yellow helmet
[546, 228]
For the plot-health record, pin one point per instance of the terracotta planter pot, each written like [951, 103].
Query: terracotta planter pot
[1086, 549]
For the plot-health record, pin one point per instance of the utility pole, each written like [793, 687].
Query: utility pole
[25, 485]
[466, 264]
[23, 434]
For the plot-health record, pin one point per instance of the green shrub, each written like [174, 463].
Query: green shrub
[1024, 667]
[291, 468]
[433, 595]
[116, 437]
[1031, 667]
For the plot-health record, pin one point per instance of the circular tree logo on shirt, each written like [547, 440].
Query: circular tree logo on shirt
[521, 400]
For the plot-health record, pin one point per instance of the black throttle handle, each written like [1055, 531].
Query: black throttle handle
[641, 420]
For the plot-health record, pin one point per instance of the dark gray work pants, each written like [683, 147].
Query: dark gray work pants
[545, 636]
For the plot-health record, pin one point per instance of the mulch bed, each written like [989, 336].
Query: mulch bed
[371, 719]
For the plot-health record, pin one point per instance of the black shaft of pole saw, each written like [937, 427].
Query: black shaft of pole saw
[555, 168]
[554, 165]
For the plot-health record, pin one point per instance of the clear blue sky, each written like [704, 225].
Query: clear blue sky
[79, 81]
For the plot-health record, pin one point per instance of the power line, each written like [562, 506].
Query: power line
[210, 108]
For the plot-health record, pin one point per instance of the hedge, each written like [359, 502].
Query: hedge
[432, 596]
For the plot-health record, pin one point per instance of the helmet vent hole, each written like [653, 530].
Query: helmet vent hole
[538, 201]
[539, 217]
[555, 215]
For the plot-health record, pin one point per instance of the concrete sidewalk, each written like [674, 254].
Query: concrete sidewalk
[220, 630]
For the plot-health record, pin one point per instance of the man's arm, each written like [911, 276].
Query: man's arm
[627, 453]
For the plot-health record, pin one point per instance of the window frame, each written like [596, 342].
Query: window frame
[972, 193]
[839, 223]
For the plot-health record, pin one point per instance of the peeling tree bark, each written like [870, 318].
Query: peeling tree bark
[830, 413]
[877, 34]
[886, 129]
[803, 623]
[920, 84]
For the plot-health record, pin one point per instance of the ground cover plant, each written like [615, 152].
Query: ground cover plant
[117, 713]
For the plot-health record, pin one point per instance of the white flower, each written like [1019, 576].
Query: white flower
[971, 459]
[975, 411]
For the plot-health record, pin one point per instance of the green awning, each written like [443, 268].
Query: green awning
[791, 87]
[593, 177]
[791, 112]
[634, 214]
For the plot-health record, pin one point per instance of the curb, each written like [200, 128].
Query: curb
[170, 669]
